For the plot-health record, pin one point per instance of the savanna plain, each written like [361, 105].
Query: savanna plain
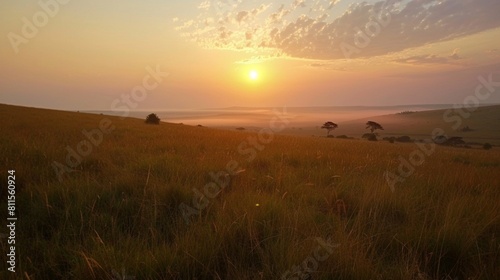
[174, 201]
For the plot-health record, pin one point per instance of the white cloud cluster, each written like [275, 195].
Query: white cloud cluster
[306, 29]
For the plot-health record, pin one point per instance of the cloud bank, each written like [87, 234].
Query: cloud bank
[306, 29]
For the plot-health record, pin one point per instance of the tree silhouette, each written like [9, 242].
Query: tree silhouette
[329, 126]
[373, 126]
[152, 119]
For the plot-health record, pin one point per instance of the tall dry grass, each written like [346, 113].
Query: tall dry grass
[119, 211]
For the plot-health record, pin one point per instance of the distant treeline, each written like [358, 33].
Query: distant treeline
[406, 112]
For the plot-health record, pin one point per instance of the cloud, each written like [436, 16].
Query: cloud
[241, 16]
[258, 59]
[330, 66]
[319, 65]
[417, 24]
[298, 3]
[363, 30]
[455, 55]
[279, 15]
[332, 4]
[493, 51]
[430, 59]
[185, 25]
[204, 5]
[423, 59]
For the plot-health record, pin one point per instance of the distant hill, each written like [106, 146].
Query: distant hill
[483, 124]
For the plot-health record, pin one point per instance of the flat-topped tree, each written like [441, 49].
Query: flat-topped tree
[373, 126]
[329, 126]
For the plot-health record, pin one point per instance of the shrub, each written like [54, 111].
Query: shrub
[152, 119]
[440, 139]
[390, 139]
[455, 141]
[487, 146]
[343, 137]
[466, 129]
[370, 136]
[404, 139]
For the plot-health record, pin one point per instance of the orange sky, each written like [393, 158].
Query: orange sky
[79, 55]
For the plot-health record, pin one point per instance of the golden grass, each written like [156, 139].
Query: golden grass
[119, 211]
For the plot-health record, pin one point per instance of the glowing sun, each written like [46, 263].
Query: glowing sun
[253, 75]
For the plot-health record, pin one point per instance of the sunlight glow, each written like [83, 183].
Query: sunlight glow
[253, 75]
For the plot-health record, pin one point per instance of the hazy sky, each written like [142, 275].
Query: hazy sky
[78, 55]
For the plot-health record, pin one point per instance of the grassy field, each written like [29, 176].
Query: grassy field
[132, 207]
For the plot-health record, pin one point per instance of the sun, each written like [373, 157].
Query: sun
[253, 75]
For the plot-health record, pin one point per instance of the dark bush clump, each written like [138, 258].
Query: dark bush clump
[370, 136]
[152, 119]
[390, 139]
[404, 139]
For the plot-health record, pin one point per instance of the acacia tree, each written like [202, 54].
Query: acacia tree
[329, 126]
[373, 126]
